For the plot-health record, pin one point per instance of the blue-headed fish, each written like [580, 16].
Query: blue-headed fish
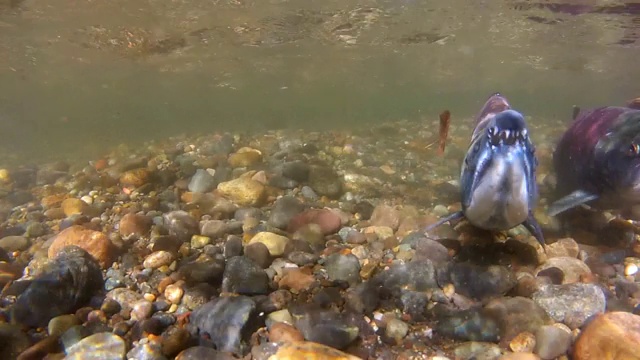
[597, 160]
[498, 176]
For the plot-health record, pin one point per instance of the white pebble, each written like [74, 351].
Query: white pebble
[631, 269]
[87, 199]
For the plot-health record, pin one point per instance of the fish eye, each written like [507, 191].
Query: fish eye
[634, 150]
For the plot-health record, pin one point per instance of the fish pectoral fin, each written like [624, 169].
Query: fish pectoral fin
[454, 216]
[534, 228]
[572, 200]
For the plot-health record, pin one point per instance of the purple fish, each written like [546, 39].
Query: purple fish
[597, 160]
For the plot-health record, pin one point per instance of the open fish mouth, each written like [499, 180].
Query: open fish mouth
[507, 137]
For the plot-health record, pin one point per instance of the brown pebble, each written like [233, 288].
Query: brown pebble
[135, 177]
[296, 280]
[614, 335]
[310, 351]
[94, 242]
[134, 224]
[283, 332]
[73, 206]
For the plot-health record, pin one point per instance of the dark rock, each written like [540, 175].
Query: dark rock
[259, 253]
[181, 224]
[343, 267]
[284, 209]
[470, 325]
[296, 170]
[221, 322]
[174, 340]
[324, 326]
[196, 296]
[244, 276]
[205, 269]
[427, 249]
[302, 258]
[362, 298]
[233, 246]
[516, 315]
[13, 341]
[415, 275]
[325, 181]
[478, 281]
[67, 283]
[214, 229]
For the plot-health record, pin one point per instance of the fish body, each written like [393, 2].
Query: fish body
[498, 174]
[597, 160]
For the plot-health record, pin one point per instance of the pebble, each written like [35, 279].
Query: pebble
[142, 309]
[94, 242]
[614, 335]
[181, 224]
[343, 267]
[14, 243]
[571, 304]
[243, 276]
[296, 280]
[384, 215]
[59, 324]
[73, 206]
[243, 191]
[134, 224]
[174, 293]
[282, 332]
[477, 350]
[158, 259]
[396, 329]
[223, 319]
[296, 170]
[244, 157]
[325, 181]
[284, 209]
[135, 178]
[203, 352]
[480, 282]
[523, 342]
[202, 181]
[572, 269]
[100, 346]
[552, 341]
[146, 351]
[275, 243]
[310, 351]
[200, 241]
[329, 221]
[259, 253]
[324, 326]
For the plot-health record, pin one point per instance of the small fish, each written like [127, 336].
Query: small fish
[498, 175]
[597, 160]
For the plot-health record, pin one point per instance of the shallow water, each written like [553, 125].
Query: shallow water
[77, 78]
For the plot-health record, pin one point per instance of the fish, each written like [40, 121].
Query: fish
[597, 160]
[498, 185]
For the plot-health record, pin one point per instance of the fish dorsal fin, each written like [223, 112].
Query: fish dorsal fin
[576, 112]
[572, 200]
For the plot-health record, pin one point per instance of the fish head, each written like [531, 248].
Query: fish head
[498, 174]
[617, 155]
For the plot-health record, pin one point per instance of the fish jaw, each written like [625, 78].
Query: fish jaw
[498, 175]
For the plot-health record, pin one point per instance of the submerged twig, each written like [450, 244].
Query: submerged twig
[445, 118]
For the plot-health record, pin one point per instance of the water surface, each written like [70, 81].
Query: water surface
[79, 77]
